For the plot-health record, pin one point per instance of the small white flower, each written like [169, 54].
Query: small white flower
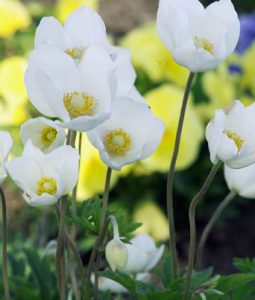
[199, 38]
[143, 255]
[132, 133]
[81, 96]
[230, 136]
[241, 180]
[44, 134]
[83, 28]
[5, 147]
[43, 177]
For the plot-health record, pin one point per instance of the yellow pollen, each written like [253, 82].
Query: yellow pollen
[48, 135]
[46, 185]
[75, 53]
[235, 137]
[204, 44]
[117, 142]
[79, 104]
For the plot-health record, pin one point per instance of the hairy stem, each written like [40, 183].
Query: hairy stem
[4, 246]
[209, 226]
[102, 230]
[170, 179]
[192, 212]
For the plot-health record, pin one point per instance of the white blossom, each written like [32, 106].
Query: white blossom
[5, 147]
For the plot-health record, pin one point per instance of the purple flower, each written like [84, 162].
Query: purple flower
[247, 35]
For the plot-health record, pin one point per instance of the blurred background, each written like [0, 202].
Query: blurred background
[138, 190]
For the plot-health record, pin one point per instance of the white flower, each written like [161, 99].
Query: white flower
[143, 255]
[230, 136]
[81, 96]
[106, 284]
[241, 180]
[44, 134]
[83, 28]
[116, 254]
[199, 38]
[132, 133]
[5, 147]
[44, 178]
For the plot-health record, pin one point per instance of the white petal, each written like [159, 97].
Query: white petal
[155, 258]
[65, 160]
[96, 59]
[43, 200]
[227, 149]
[106, 284]
[86, 28]
[51, 32]
[6, 143]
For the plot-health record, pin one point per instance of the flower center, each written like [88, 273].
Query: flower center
[202, 43]
[75, 53]
[235, 137]
[48, 135]
[46, 185]
[117, 142]
[79, 104]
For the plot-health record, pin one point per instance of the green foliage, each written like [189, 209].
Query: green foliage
[245, 265]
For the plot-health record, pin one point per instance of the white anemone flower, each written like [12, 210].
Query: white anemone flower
[143, 255]
[230, 135]
[132, 133]
[81, 96]
[5, 148]
[241, 180]
[43, 177]
[199, 38]
[43, 133]
[83, 28]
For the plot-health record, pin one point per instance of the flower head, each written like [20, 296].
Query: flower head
[230, 135]
[43, 177]
[59, 88]
[132, 133]
[199, 38]
[44, 134]
[241, 180]
[5, 147]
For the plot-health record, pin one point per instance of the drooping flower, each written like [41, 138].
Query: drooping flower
[143, 255]
[43, 177]
[57, 87]
[5, 147]
[199, 38]
[241, 180]
[13, 16]
[230, 135]
[43, 133]
[132, 133]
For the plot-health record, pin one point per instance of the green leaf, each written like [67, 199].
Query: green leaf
[245, 265]
[231, 282]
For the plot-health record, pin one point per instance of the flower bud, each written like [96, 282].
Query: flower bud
[116, 254]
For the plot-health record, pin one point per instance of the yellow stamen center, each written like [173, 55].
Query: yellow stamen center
[48, 135]
[75, 53]
[46, 185]
[79, 104]
[117, 142]
[236, 138]
[204, 44]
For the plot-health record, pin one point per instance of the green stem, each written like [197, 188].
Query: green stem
[192, 212]
[75, 251]
[209, 226]
[170, 178]
[4, 246]
[102, 231]
[60, 253]
[73, 233]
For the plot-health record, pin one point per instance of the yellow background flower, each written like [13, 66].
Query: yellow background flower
[165, 102]
[152, 57]
[13, 16]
